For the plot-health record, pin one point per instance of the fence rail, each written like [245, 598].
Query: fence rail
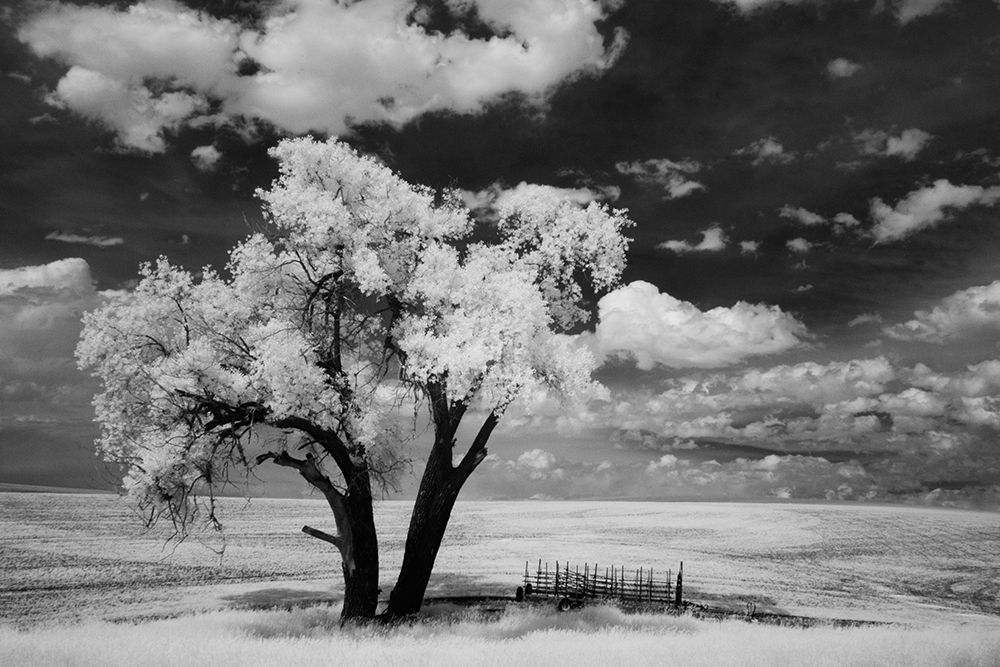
[641, 585]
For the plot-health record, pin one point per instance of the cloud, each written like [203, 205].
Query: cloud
[846, 220]
[904, 10]
[485, 202]
[40, 308]
[907, 10]
[907, 145]
[865, 318]
[536, 459]
[671, 177]
[925, 208]
[205, 158]
[310, 65]
[713, 239]
[138, 118]
[866, 404]
[72, 275]
[971, 310]
[654, 328]
[801, 215]
[749, 247]
[841, 68]
[799, 245]
[99, 241]
[766, 151]
[858, 428]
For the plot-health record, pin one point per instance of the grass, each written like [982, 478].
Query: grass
[521, 636]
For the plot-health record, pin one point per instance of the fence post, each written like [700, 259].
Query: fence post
[680, 586]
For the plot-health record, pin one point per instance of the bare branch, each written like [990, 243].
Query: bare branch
[326, 537]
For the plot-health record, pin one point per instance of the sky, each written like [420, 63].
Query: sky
[812, 300]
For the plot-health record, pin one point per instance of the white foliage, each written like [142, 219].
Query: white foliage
[369, 292]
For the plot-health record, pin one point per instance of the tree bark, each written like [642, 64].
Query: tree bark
[359, 553]
[356, 539]
[439, 488]
[431, 511]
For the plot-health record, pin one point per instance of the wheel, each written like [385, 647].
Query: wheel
[565, 604]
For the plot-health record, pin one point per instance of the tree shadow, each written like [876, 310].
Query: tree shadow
[281, 598]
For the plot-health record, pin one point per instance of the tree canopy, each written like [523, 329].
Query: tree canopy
[367, 305]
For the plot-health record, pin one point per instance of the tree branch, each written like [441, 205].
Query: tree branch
[477, 450]
[326, 537]
[306, 467]
[327, 439]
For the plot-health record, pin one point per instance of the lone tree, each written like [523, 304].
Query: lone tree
[367, 312]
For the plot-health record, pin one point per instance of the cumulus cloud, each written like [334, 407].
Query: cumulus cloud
[310, 65]
[801, 216]
[713, 239]
[766, 151]
[925, 208]
[968, 311]
[846, 220]
[485, 202]
[536, 459]
[138, 118]
[205, 158]
[841, 68]
[639, 321]
[866, 403]
[94, 240]
[843, 429]
[671, 177]
[674, 476]
[749, 247]
[906, 145]
[71, 275]
[799, 245]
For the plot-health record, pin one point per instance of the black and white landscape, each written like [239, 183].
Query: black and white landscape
[464, 284]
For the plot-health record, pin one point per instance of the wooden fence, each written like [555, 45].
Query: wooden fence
[613, 583]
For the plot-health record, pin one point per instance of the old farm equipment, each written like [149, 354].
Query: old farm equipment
[573, 587]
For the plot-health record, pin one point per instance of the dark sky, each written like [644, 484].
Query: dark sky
[812, 299]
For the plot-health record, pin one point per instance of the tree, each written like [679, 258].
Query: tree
[368, 309]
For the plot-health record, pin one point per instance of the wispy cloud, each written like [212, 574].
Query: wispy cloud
[99, 241]
[713, 239]
[672, 177]
[904, 10]
[766, 151]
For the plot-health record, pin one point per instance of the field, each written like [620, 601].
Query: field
[78, 565]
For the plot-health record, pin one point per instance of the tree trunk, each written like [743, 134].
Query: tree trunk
[436, 497]
[359, 550]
